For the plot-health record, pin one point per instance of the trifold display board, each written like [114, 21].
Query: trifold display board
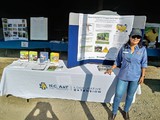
[98, 38]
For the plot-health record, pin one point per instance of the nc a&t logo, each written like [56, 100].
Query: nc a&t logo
[43, 86]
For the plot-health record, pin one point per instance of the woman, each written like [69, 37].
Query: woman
[132, 61]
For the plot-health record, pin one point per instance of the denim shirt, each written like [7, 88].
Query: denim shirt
[131, 64]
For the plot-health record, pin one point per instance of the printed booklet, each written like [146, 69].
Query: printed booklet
[54, 68]
[43, 57]
[24, 55]
[33, 56]
[54, 57]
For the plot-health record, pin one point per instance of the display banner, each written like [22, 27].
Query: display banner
[98, 38]
[14, 29]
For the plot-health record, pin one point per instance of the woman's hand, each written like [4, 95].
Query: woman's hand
[141, 80]
[109, 71]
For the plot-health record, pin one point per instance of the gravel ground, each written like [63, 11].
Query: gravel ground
[146, 106]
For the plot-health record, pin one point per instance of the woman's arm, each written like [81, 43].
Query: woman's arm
[141, 80]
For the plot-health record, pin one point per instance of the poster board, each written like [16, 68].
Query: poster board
[98, 38]
[39, 28]
[14, 29]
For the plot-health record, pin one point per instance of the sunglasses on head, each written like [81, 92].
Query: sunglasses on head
[136, 36]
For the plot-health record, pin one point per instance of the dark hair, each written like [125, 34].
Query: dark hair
[139, 44]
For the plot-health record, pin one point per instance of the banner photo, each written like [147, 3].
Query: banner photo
[14, 29]
[98, 38]
[152, 35]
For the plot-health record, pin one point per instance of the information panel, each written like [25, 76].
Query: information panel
[98, 38]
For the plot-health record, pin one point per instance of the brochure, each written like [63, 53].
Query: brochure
[43, 57]
[54, 68]
[39, 67]
[33, 56]
[103, 67]
[54, 57]
[23, 55]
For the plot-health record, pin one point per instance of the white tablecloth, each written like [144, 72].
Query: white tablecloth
[84, 83]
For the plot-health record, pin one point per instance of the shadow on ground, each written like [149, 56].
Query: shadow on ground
[42, 111]
[153, 84]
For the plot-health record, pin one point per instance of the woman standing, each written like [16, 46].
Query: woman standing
[132, 61]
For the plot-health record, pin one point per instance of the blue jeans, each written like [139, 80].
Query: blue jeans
[128, 87]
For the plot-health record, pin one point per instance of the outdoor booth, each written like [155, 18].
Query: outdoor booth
[94, 41]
